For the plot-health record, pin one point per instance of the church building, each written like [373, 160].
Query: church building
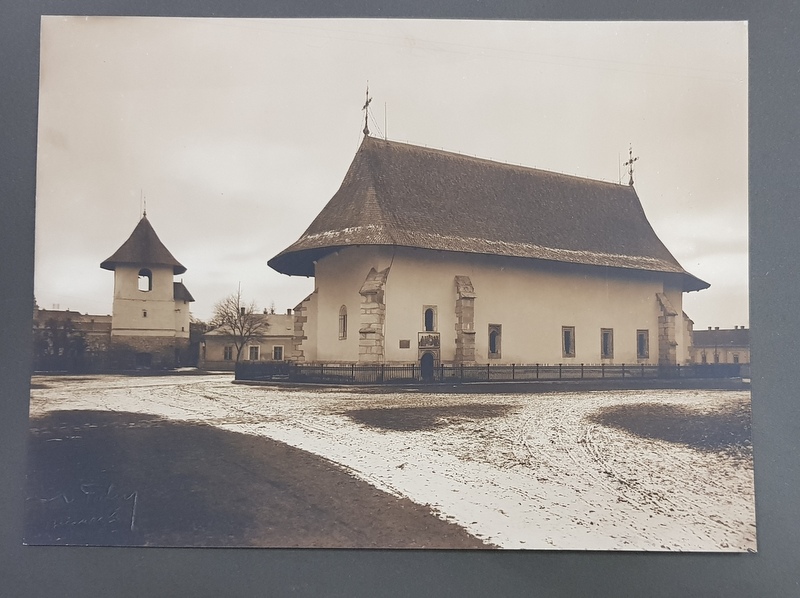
[150, 314]
[430, 257]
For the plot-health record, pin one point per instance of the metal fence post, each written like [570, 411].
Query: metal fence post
[559, 371]
[581, 371]
[623, 370]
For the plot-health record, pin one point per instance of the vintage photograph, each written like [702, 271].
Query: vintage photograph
[362, 283]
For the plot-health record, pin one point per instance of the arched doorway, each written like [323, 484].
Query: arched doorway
[426, 366]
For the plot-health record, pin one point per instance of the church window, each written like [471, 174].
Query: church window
[255, 352]
[145, 280]
[277, 353]
[227, 353]
[495, 336]
[568, 341]
[642, 344]
[606, 343]
[429, 318]
[342, 323]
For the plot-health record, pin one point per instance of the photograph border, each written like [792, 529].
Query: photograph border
[774, 210]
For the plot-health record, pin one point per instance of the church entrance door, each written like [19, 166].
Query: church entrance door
[426, 366]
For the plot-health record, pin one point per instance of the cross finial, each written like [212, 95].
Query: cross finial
[629, 164]
[366, 111]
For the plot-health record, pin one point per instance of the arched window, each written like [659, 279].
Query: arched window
[430, 319]
[495, 335]
[145, 280]
[342, 322]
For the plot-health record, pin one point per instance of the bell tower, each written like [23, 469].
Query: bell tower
[150, 317]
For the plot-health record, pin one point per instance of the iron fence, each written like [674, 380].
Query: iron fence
[398, 374]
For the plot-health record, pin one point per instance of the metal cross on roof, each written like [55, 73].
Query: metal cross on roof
[629, 164]
[366, 112]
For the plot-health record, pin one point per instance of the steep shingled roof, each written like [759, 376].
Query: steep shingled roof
[143, 247]
[405, 195]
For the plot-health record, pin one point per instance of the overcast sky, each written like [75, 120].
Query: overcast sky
[238, 132]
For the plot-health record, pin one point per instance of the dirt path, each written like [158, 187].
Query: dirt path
[611, 470]
[117, 478]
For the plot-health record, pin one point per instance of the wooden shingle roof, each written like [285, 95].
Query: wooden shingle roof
[145, 248]
[405, 195]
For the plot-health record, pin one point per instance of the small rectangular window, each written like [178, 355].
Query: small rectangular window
[277, 353]
[606, 343]
[642, 344]
[735, 358]
[144, 313]
[568, 341]
[255, 352]
[342, 323]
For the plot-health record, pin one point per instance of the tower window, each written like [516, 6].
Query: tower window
[144, 313]
[145, 280]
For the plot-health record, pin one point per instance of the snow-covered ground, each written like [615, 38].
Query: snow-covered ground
[530, 471]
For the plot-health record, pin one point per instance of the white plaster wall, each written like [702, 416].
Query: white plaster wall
[338, 279]
[129, 302]
[530, 300]
[181, 318]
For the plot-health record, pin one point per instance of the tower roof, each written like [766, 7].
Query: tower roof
[143, 247]
[405, 195]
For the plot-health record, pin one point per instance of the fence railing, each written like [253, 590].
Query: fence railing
[389, 374]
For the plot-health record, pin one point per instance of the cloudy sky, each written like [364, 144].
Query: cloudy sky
[237, 132]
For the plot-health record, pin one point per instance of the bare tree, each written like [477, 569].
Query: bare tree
[242, 321]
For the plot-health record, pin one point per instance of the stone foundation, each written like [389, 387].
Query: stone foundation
[667, 344]
[372, 318]
[148, 352]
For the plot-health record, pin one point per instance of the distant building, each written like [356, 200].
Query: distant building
[425, 256]
[150, 315]
[721, 346]
[275, 343]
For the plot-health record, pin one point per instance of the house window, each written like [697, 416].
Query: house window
[342, 323]
[606, 343]
[277, 353]
[429, 318]
[227, 353]
[568, 341]
[145, 280]
[255, 352]
[735, 358]
[495, 336]
[642, 344]
[703, 357]
[716, 357]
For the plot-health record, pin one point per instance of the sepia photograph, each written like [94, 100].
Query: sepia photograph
[373, 283]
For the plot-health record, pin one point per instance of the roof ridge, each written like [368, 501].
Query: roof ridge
[494, 162]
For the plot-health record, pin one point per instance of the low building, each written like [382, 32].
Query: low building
[273, 344]
[725, 345]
